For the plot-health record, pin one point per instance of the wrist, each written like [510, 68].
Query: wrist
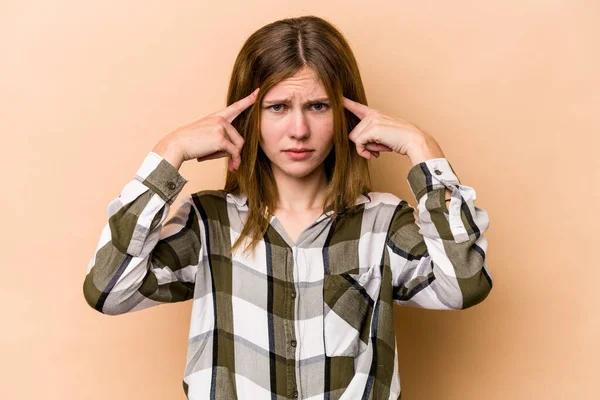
[169, 152]
[424, 148]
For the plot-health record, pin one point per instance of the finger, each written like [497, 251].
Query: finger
[375, 153]
[357, 136]
[232, 151]
[377, 147]
[213, 156]
[359, 128]
[358, 109]
[233, 110]
[233, 134]
[217, 155]
[236, 139]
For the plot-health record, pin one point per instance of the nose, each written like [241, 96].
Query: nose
[299, 125]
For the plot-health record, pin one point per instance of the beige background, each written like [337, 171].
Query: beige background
[510, 90]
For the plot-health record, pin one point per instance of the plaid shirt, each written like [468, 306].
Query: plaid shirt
[311, 319]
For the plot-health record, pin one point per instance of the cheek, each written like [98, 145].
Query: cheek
[268, 138]
[326, 132]
[326, 126]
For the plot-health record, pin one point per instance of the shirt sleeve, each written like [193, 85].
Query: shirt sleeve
[438, 256]
[140, 260]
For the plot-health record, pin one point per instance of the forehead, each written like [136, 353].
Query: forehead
[304, 83]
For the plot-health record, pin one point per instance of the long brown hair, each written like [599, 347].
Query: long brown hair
[274, 53]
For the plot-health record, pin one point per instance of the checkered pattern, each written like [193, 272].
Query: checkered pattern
[311, 319]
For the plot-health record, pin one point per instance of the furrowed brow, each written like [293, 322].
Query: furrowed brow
[287, 101]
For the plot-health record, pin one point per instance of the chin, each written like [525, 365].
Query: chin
[299, 170]
[303, 175]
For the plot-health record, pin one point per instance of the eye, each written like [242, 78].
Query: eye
[321, 107]
[275, 105]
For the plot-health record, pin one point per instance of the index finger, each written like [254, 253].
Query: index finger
[358, 109]
[233, 110]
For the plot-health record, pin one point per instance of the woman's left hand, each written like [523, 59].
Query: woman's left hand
[377, 132]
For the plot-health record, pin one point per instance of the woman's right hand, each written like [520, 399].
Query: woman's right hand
[208, 138]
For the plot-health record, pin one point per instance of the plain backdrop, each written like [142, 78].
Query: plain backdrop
[510, 90]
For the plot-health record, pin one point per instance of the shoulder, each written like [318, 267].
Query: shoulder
[383, 199]
[210, 203]
[210, 194]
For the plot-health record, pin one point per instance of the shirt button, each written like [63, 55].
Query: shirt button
[293, 295]
[295, 394]
[438, 172]
[293, 343]
[171, 185]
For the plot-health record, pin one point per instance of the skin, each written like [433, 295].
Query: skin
[300, 121]
[301, 183]
[296, 113]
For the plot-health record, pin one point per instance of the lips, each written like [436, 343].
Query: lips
[298, 155]
[298, 150]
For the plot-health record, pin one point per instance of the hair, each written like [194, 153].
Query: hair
[273, 53]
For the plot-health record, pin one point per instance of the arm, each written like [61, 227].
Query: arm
[438, 257]
[139, 262]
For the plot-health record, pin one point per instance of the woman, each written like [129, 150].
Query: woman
[294, 266]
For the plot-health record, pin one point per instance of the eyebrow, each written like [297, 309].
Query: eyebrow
[286, 101]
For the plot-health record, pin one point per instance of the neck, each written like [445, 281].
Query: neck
[301, 194]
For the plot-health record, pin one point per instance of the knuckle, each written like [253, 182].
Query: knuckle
[220, 131]
[215, 127]
[373, 126]
[221, 142]
[219, 119]
[373, 120]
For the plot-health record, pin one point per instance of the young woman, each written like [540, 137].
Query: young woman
[295, 265]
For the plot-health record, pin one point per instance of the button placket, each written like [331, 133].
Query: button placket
[293, 342]
[291, 305]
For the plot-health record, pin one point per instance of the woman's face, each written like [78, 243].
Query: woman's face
[296, 114]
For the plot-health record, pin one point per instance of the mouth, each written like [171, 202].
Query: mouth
[298, 154]
[298, 150]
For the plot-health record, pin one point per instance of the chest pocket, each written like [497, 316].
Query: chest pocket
[348, 302]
